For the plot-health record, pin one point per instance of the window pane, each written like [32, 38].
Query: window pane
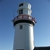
[20, 26]
[21, 5]
[21, 11]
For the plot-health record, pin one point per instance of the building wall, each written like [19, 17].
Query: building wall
[24, 37]
[27, 12]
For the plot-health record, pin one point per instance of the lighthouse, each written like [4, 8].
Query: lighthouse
[23, 24]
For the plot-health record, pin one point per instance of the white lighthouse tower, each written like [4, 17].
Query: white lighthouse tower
[23, 23]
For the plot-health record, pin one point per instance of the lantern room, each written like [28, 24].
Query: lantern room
[24, 8]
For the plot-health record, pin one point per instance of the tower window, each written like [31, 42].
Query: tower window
[21, 11]
[20, 26]
[21, 5]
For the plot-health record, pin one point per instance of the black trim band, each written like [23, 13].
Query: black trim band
[23, 21]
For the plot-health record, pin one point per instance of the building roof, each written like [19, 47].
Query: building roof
[42, 48]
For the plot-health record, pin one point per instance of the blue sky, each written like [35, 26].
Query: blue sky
[40, 10]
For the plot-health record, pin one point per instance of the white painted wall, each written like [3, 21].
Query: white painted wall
[24, 38]
[27, 12]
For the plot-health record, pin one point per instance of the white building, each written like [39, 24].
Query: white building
[23, 23]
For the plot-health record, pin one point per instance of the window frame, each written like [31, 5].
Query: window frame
[21, 11]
